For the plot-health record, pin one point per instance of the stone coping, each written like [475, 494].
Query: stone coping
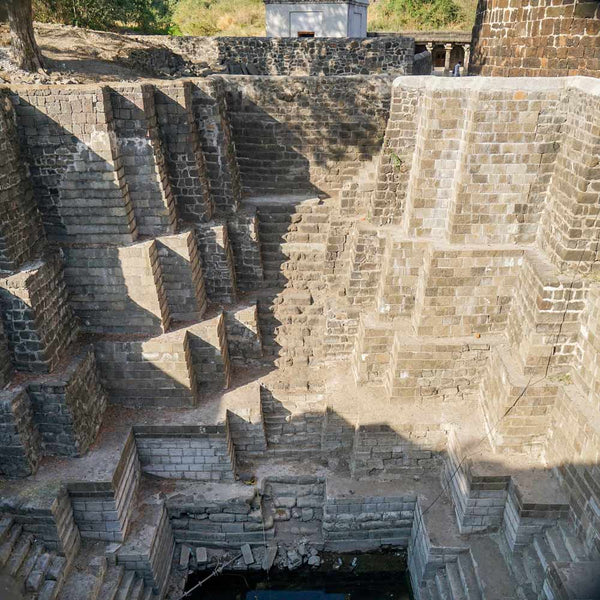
[588, 85]
[92, 87]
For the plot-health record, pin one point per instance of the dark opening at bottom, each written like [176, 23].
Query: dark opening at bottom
[363, 582]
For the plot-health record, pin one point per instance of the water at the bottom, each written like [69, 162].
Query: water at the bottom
[306, 585]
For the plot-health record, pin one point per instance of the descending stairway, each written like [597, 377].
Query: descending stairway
[293, 425]
[490, 571]
[41, 574]
[38, 572]
[293, 233]
[529, 565]
[92, 578]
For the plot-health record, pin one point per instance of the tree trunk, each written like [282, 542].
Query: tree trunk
[25, 51]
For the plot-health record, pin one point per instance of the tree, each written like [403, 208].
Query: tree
[25, 51]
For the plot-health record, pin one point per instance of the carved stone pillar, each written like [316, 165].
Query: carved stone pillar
[467, 49]
[448, 49]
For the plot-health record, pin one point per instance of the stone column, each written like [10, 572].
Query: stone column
[467, 49]
[448, 49]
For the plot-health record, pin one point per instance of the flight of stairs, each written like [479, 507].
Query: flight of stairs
[293, 425]
[293, 233]
[41, 574]
[37, 572]
[499, 574]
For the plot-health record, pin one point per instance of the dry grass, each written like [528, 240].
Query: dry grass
[220, 17]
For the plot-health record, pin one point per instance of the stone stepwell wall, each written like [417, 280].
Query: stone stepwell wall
[305, 134]
[512, 38]
[288, 56]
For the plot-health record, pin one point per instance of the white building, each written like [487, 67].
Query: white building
[328, 18]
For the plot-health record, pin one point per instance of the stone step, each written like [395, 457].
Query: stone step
[19, 553]
[557, 545]
[424, 593]
[138, 590]
[432, 589]
[572, 543]
[468, 576]
[36, 577]
[50, 590]
[6, 524]
[9, 543]
[441, 584]
[34, 552]
[57, 569]
[148, 594]
[533, 568]
[543, 551]
[126, 586]
[292, 452]
[494, 580]
[85, 580]
[112, 581]
[454, 582]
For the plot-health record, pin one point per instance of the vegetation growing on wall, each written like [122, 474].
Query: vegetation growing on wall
[238, 17]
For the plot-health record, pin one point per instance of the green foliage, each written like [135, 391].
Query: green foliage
[395, 15]
[237, 17]
[220, 17]
[149, 16]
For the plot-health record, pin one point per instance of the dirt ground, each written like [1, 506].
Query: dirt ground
[74, 55]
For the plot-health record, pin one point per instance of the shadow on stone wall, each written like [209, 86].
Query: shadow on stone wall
[307, 134]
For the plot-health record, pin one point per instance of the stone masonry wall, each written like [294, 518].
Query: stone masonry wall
[198, 453]
[20, 441]
[68, 137]
[140, 147]
[183, 151]
[284, 141]
[515, 38]
[38, 319]
[20, 227]
[296, 56]
[213, 522]
[68, 409]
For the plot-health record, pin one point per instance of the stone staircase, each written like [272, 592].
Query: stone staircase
[292, 229]
[530, 564]
[499, 574]
[293, 425]
[93, 578]
[39, 573]
[293, 234]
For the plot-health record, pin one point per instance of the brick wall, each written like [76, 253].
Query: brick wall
[515, 38]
